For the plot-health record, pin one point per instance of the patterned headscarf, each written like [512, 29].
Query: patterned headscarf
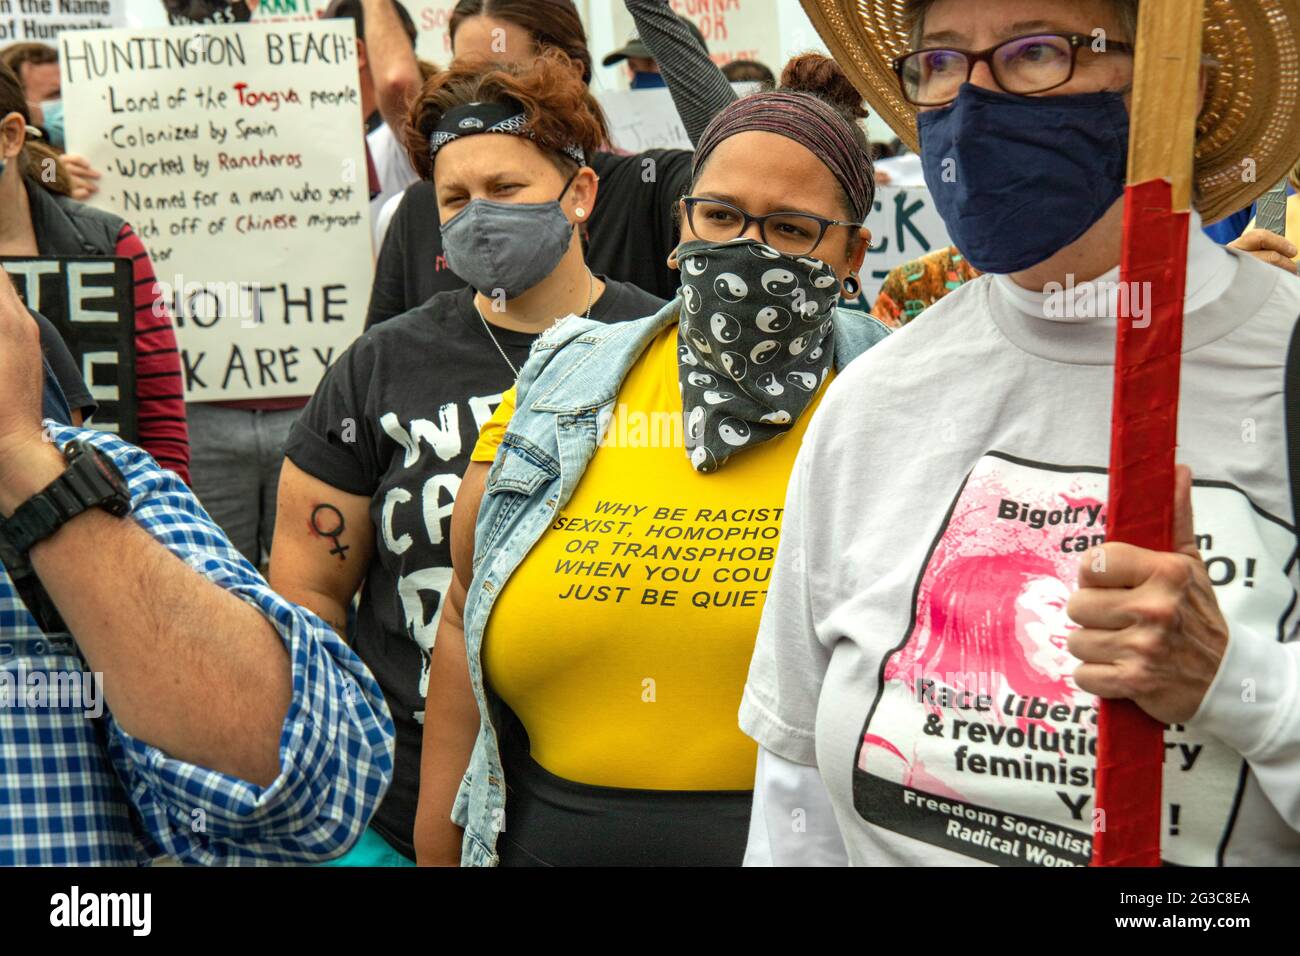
[810, 122]
[470, 119]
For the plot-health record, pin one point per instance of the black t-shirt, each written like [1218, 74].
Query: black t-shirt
[395, 419]
[632, 231]
[66, 371]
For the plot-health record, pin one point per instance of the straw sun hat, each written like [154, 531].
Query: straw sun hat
[1252, 101]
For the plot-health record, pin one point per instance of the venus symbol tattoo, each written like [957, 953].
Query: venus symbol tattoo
[332, 517]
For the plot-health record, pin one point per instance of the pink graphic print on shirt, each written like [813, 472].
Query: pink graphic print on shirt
[979, 741]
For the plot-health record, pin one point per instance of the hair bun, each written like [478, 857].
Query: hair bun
[822, 77]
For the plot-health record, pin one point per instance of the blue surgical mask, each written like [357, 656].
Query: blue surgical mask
[647, 81]
[52, 110]
[1018, 178]
[507, 247]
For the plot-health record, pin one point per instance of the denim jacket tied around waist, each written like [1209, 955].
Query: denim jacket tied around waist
[565, 396]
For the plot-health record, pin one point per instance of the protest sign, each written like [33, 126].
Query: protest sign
[44, 20]
[733, 29]
[91, 302]
[228, 148]
[643, 119]
[905, 225]
[647, 119]
[284, 11]
[241, 11]
[432, 20]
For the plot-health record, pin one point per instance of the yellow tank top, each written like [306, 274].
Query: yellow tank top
[623, 639]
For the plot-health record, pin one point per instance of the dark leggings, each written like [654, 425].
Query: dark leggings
[551, 821]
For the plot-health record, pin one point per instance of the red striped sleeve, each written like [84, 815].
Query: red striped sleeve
[160, 389]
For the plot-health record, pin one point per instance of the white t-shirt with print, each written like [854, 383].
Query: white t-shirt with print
[913, 643]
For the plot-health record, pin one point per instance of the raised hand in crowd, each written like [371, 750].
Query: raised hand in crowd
[83, 176]
[1268, 247]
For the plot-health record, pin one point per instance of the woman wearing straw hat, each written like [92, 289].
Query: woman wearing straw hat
[1020, 112]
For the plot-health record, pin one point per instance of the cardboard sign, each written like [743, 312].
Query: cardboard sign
[91, 302]
[432, 20]
[647, 119]
[905, 225]
[733, 29]
[643, 119]
[228, 148]
[43, 20]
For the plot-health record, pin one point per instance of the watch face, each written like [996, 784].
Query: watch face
[118, 501]
[108, 468]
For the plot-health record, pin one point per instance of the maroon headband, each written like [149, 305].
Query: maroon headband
[810, 122]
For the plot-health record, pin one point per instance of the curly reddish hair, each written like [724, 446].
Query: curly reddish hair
[560, 110]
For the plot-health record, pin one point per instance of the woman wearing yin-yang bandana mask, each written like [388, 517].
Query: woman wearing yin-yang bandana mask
[620, 540]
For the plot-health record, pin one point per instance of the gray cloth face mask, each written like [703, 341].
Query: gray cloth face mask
[753, 343]
[507, 247]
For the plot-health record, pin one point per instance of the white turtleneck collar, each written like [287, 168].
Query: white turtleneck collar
[1076, 322]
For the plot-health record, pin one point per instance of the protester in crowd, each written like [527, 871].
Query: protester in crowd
[1292, 226]
[607, 711]
[38, 218]
[1231, 227]
[54, 406]
[376, 460]
[389, 78]
[184, 709]
[62, 367]
[389, 209]
[632, 230]
[37, 67]
[642, 68]
[1008, 462]
[913, 287]
[749, 71]
[239, 444]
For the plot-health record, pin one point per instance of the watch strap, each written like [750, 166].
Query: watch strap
[80, 488]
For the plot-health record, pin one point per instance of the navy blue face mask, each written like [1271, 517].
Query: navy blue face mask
[648, 81]
[1028, 175]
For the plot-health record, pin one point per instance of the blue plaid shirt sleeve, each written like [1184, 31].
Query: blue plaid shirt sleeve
[336, 746]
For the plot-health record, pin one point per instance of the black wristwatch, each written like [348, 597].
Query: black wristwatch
[91, 481]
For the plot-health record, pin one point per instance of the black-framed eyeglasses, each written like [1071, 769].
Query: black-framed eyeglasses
[1034, 63]
[793, 233]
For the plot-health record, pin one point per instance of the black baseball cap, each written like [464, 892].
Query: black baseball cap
[635, 46]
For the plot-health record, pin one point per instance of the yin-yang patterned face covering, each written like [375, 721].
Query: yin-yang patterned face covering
[753, 343]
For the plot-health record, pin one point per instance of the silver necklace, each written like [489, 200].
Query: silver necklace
[591, 288]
